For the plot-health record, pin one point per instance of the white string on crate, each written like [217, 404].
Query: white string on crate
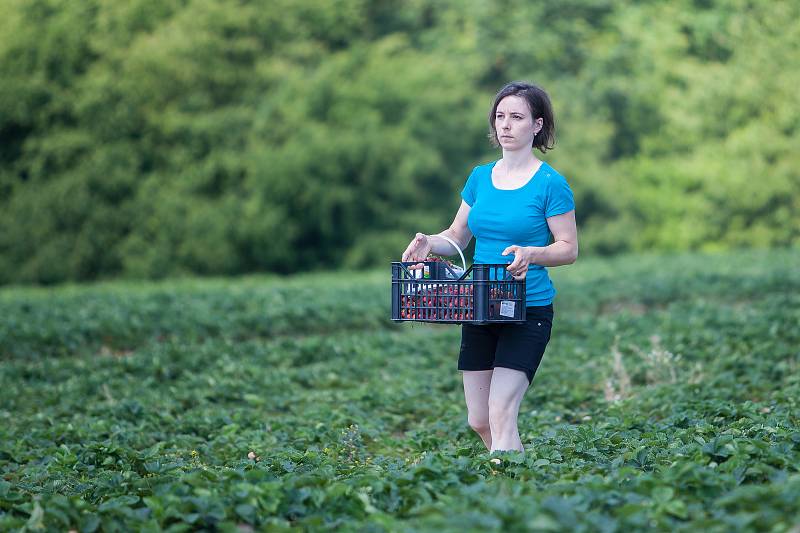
[451, 241]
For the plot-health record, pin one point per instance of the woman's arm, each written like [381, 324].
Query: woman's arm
[422, 244]
[458, 231]
[563, 250]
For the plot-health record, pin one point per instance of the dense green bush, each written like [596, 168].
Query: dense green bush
[147, 139]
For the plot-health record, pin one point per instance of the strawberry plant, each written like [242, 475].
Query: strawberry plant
[667, 400]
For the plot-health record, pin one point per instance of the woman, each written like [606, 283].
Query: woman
[512, 206]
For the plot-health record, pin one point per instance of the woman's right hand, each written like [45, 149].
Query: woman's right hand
[418, 249]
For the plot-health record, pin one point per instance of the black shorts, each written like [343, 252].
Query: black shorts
[517, 346]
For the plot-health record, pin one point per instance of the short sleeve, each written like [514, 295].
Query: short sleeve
[470, 191]
[559, 197]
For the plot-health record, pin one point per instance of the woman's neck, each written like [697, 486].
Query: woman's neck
[518, 160]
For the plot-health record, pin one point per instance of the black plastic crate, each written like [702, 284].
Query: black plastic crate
[483, 294]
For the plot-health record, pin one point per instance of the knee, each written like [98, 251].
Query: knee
[478, 423]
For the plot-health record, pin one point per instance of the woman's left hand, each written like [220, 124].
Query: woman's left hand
[523, 257]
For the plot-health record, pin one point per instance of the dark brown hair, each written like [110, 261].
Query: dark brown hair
[539, 104]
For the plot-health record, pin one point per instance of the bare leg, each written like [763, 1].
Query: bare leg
[508, 386]
[476, 392]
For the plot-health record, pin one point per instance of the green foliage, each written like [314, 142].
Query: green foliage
[277, 403]
[147, 139]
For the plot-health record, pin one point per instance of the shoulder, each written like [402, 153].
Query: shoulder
[551, 174]
[483, 169]
[554, 181]
[480, 173]
[486, 167]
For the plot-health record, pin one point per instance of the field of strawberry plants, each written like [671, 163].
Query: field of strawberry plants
[668, 399]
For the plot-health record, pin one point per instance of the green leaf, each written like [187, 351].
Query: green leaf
[247, 512]
[118, 503]
[89, 523]
[663, 494]
[677, 508]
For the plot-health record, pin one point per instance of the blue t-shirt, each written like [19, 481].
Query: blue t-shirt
[500, 218]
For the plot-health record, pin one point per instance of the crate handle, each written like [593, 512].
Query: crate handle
[451, 241]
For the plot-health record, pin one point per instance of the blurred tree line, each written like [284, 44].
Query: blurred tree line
[152, 138]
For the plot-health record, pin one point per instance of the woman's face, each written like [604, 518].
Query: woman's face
[514, 124]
